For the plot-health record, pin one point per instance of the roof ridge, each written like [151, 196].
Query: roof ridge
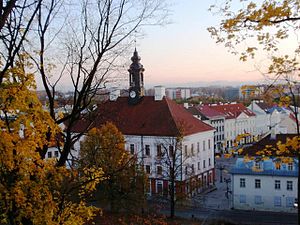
[173, 116]
[184, 112]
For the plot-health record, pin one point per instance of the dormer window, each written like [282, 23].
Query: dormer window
[290, 166]
[277, 165]
[257, 165]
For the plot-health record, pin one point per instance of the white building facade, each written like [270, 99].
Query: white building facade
[238, 120]
[214, 119]
[262, 118]
[194, 160]
[266, 187]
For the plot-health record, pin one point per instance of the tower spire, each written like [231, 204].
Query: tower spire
[136, 78]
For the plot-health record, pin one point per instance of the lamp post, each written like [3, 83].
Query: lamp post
[221, 167]
[227, 181]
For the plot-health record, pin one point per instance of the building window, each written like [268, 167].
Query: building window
[257, 165]
[242, 182]
[198, 165]
[148, 169]
[159, 170]
[56, 154]
[277, 201]
[257, 199]
[192, 149]
[203, 145]
[132, 149]
[209, 162]
[289, 185]
[208, 144]
[49, 154]
[158, 151]
[277, 184]
[290, 201]
[147, 147]
[185, 150]
[198, 147]
[278, 166]
[193, 169]
[171, 151]
[186, 170]
[204, 163]
[257, 183]
[290, 166]
[242, 198]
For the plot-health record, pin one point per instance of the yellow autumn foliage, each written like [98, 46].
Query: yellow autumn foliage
[105, 148]
[248, 28]
[33, 190]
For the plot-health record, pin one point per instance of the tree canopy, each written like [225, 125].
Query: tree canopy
[34, 190]
[124, 180]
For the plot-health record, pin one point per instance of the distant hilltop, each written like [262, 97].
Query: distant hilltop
[212, 83]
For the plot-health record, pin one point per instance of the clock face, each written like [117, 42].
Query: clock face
[132, 94]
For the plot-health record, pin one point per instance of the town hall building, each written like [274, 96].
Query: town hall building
[159, 132]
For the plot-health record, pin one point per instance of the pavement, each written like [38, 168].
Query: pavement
[219, 197]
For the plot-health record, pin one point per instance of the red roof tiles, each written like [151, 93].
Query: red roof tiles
[209, 112]
[148, 117]
[232, 110]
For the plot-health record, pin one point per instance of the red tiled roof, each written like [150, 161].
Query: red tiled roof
[209, 112]
[232, 110]
[193, 110]
[148, 117]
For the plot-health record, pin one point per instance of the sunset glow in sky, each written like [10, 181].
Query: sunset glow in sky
[183, 52]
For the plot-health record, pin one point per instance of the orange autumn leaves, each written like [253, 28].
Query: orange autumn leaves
[124, 179]
[33, 189]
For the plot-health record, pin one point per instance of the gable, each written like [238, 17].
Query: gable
[242, 116]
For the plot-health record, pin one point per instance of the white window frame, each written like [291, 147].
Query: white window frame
[242, 182]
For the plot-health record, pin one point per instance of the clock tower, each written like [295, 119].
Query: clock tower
[136, 79]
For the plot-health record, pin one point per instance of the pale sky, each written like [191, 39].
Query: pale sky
[183, 52]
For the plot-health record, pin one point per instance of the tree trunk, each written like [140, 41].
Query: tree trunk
[111, 196]
[172, 196]
[298, 149]
[298, 188]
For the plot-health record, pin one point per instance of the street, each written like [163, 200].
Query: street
[215, 205]
[239, 216]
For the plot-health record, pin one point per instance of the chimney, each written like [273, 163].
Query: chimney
[273, 134]
[159, 93]
[186, 105]
[114, 94]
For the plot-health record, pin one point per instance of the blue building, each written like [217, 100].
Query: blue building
[265, 183]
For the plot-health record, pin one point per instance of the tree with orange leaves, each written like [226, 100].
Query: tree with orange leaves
[123, 186]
